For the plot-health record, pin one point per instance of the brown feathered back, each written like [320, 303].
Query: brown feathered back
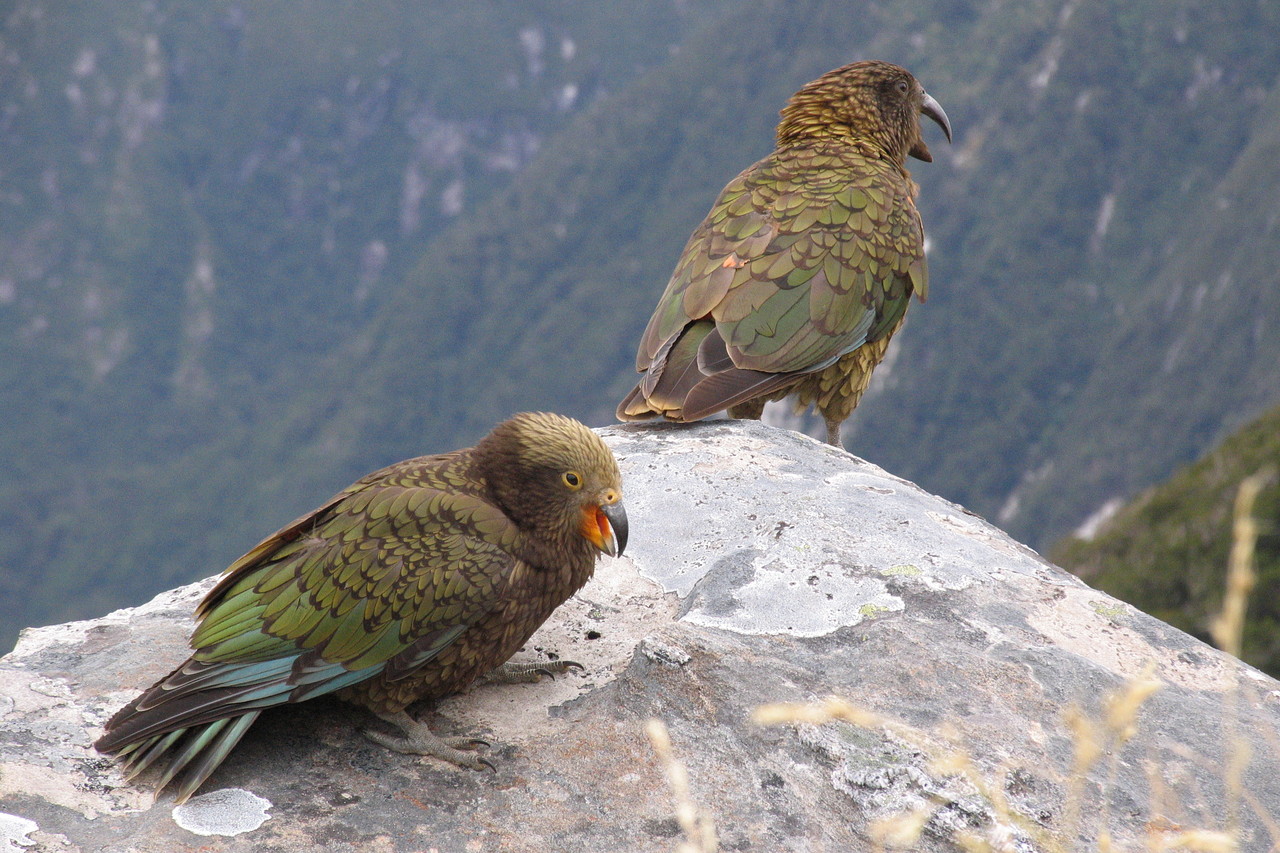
[804, 267]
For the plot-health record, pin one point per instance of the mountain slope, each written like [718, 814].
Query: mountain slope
[256, 254]
[205, 201]
[1060, 227]
[1166, 551]
[1189, 356]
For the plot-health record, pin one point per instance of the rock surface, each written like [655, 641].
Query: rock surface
[763, 568]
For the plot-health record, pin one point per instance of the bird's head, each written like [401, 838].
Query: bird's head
[872, 101]
[557, 479]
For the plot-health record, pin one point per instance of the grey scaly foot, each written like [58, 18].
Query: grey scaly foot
[528, 673]
[420, 740]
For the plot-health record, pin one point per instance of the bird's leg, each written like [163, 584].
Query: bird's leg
[528, 673]
[420, 740]
[750, 410]
[833, 432]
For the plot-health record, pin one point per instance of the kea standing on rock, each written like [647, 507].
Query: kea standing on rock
[410, 584]
[803, 269]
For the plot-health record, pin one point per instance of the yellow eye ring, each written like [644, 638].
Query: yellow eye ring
[572, 479]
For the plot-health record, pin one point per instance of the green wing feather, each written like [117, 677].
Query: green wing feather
[377, 581]
[398, 556]
[806, 256]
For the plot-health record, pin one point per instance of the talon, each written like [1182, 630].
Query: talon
[528, 673]
[420, 740]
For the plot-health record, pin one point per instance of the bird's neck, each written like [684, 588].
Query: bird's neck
[563, 561]
[800, 133]
[852, 153]
[814, 123]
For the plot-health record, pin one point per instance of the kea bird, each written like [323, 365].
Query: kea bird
[409, 584]
[803, 269]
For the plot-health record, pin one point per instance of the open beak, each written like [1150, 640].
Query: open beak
[605, 527]
[933, 110]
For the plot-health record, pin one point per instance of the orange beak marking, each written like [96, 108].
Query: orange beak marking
[595, 527]
[605, 526]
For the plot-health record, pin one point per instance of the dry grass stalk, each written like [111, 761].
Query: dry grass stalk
[1086, 749]
[903, 830]
[1121, 708]
[1228, 627]
[900, 831]
[831, 708]
[1205, 840]
[699, 830]
[1092, 739]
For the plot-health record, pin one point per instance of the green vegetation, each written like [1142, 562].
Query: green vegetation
[252, 251]
[1166, 552]
[160, 421]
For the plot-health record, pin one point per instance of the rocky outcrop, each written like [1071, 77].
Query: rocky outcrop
[763, 568]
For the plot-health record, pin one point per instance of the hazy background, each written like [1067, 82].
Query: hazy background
[251, 251]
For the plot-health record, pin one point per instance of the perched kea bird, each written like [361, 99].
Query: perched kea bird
[409, 584]
[803, 269]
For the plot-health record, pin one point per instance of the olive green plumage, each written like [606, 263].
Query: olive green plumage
[803, 269]
[407, 585]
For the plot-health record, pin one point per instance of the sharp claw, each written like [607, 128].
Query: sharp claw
[548, 673]
[487, 763]
[572, 664]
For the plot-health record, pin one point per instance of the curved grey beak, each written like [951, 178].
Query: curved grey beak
[618, 524]
[933, 110]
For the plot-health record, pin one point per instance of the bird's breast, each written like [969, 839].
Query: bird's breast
[532, 594]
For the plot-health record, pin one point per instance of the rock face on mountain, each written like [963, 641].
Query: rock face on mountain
[763, 568]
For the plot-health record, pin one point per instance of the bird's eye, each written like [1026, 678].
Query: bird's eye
[902, 87]
[572, 479]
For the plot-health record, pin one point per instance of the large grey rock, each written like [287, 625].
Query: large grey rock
[764, 567]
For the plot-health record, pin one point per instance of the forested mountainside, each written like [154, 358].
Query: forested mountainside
[206, 205]
[1166, 551]
[255, 250]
